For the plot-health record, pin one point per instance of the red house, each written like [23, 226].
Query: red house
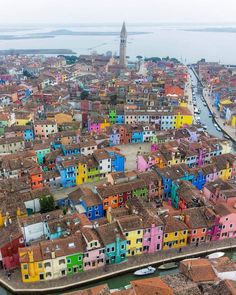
[11, 239]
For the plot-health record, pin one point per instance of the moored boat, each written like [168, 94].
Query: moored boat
[168, 265]
[215, 255]
[145, 271]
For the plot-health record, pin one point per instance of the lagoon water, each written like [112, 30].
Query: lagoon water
[163, 40]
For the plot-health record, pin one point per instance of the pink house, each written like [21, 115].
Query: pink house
[210, 172]
[220, 191]
[145, 162]
[94, 256]
[95, 127]
[227, 215]
[153, 234]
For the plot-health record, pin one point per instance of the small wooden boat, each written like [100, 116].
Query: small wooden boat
[145, 271]
[167, 266]
[215, 255]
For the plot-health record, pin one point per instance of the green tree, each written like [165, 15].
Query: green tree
[47, 204]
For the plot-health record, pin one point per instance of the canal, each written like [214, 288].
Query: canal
[205, 117]
[123, 280]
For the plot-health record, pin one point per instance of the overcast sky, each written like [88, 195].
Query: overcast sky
[104, 11]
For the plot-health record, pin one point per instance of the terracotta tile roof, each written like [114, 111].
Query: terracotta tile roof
[198, 270]
[130, 223]
[152, 286]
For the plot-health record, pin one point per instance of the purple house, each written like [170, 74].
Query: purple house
[213, 224]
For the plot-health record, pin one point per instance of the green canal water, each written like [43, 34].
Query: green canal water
[120, 281]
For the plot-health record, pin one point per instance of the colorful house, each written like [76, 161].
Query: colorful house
[36, 177]
[132, 228]
[114, 242]
[74, 250]
[175, 233]
[227, 220]
[86, 201]
[31, 262]
[109, 197]
[197, 224]
[10, 241]
[41, 151]
[94, 256]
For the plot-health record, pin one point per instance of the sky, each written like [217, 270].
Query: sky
[111, 11]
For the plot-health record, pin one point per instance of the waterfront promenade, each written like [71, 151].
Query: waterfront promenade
[78, 280]
[230, 131]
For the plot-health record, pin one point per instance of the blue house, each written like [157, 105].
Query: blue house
[28, 133]
[84, 200]
[217, 99]
[171, 174]
[120, 118]
[67, 170]
[114, 242]
[199, 179]
[71, 149]
[137, 136]
[117, 160]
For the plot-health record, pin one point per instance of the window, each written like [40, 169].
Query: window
[47, 264]
[231, 225]
[25, 266]
[138, 232]
[126, 234]
[61, 261]
[69, 261]
[26, 277]
[40, 265]
[108, 250]
[122, 247]
[166, 235]
[204, 230]
[176, 234]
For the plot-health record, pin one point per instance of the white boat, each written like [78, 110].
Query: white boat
[145, 271]
[168, 265]
[218, 128]
[215, 255]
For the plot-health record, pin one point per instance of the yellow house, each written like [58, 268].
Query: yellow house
[224, 165]
[23, 118]
[132, 228]
[233, 121]
[81, 173]
[175, 233]
[31, 264]
[224, 102]
[105, 124]
[183, 116]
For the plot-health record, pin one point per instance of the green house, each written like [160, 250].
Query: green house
[114, 242]
[3, 124]
[139, 189]
[93, 174]
[74, 254]
[112, 116]
[41, 152]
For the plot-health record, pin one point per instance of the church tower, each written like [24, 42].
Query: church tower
[123, 45]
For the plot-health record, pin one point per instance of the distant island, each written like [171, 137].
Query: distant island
[214, 29]
[36, 51]
[23, 37]
[63, 32]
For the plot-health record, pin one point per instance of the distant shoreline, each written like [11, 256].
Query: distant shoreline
[63, 32]
[36, 51]
[212, 30]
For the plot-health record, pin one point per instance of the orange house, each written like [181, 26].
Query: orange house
[109, 197]
[195, 219]
[36, 177]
